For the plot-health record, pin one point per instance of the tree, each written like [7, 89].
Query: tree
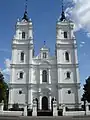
[86, 94]
[3, 89]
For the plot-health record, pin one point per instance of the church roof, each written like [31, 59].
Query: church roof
[62, 16]
[25, 17]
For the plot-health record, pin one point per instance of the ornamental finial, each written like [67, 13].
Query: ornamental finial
[44, 43]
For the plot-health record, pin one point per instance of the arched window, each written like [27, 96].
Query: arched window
[21, 75]
[44, 76]
[68, 75]
[67, 56]
[22, 56]
[23, 34]
[65, 34]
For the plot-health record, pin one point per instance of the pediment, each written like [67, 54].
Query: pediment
[44, 62]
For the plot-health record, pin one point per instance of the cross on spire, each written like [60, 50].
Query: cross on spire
[44, 43]
[25, 17]
[63, 14]
[26, 5]
[62, 6]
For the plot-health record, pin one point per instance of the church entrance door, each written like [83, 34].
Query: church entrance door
[44, 103]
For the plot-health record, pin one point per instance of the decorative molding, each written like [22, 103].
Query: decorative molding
[68, 85]
[67, 65]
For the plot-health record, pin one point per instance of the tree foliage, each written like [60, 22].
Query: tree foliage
[3, 88]
[86, 94]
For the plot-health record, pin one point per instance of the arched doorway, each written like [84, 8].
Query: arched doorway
[44, 103]
[37, 103]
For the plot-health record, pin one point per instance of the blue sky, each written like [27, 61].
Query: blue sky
[44, 14]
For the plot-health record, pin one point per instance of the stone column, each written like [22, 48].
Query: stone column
[40, 102]
[49, 76]
[50, 102]
[64, 109]
[40, 76]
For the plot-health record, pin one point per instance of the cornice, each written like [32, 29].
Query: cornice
[68, 85]
[33, 66]
[59, 46]
[31, 85]
[67, 65]
[15, 46]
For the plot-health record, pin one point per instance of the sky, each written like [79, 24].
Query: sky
[44, 15]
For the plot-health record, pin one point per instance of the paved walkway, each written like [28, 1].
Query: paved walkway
[45, 118]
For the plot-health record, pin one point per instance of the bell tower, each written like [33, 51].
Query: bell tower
[67, 62]
[22, 55]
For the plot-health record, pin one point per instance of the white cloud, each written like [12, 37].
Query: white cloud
[7, 63]
[80, 14]
[4, 50]
[81, 45]
[88, 34]
[85, 54]
[6, 71]
[82, 42]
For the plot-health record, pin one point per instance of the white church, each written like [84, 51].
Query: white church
[43, 77]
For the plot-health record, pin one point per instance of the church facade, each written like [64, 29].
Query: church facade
[44, 77]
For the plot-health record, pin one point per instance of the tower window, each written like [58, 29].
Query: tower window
[67, 56]
[21, 75]
[69, 91]
[68, 75]
[23, 34]
[22, 56]
[44, 76]
[44, 55]
[20, 92]
[65, 34]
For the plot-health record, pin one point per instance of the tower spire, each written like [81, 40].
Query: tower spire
[62, 14]
[26, 5]
[25, 17]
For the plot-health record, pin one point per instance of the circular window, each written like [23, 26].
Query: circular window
[20, 92]
[69, 91]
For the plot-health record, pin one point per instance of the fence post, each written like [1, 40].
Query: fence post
[64, 109]
[25, 110]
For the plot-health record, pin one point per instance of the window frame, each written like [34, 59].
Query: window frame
[21, 75]
[44, 55]
[44, 76]
[65, 34]
[67, 56]
[22, 56]
[68, 75]
[23, 35]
